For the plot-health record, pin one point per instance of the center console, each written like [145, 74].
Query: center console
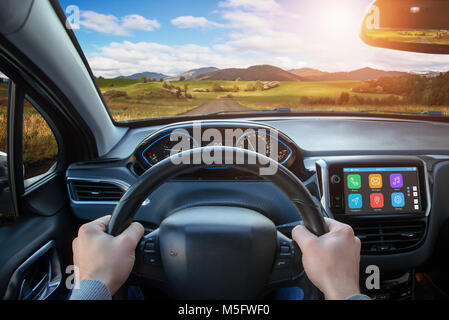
[386, 200]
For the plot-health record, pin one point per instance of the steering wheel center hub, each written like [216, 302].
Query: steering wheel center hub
[217, 252]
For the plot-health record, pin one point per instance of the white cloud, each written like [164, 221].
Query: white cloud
[224, 48]
[134, 21]
[113, 25]
[269, 42]
[188, 22]
[258, 5]
[246, 21]
[127, 58]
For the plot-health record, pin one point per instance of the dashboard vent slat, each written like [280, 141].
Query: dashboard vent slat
[389, 237]
[92, 191]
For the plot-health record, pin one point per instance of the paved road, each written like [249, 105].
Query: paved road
[216, 106]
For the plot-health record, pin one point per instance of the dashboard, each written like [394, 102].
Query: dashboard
[388, 179]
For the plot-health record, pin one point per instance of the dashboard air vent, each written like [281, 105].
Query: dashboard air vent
[93, 191]
[389, 237]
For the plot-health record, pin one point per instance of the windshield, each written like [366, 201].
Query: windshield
[156, 59]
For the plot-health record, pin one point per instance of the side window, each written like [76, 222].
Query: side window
[40, 148]
[6, 205]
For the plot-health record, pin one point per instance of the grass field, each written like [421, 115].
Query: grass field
[147, 100]
[153, 104]
[150, 100]
[39, 145]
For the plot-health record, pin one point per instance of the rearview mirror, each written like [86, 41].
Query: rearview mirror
[408, 25]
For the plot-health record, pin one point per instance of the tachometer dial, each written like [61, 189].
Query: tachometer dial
[164, 147]
[256, 140]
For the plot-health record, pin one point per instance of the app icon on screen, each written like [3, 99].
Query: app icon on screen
[398, 200]
[354, 181]
[375, 181]
[355, 201]
[377, 200]
[396, 180]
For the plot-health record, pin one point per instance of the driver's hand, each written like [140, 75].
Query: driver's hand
[331, 261]
[100, 256]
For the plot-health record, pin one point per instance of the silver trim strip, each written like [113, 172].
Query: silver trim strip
[429, 199]
[325, 199]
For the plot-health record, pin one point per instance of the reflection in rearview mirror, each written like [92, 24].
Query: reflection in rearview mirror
[412, 25]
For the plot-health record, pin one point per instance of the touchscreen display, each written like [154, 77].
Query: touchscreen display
[382, 190]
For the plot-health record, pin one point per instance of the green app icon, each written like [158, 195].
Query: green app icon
[354, 181]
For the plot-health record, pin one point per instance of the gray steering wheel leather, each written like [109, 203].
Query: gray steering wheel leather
[284, 179]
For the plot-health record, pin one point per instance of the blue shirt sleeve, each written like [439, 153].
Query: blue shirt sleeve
[90, 289]
[358, 297]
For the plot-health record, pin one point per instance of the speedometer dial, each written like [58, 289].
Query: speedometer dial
[256, 140]
[164, 147]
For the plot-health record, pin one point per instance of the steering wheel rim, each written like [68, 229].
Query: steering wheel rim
[308, 209]
[153, 178]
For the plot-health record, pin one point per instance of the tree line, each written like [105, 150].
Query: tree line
[405, 90]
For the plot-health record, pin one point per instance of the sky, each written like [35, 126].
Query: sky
[123, 37]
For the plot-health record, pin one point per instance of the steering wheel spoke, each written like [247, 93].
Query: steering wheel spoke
[287, 267]
[148, 263]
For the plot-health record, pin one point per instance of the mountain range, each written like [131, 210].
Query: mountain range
[270, 73]
[357, 75]
[155, 75]
[188, 75]
[195, 73]
[254, 73]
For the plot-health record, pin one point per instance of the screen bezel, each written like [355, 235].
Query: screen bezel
[337, 189]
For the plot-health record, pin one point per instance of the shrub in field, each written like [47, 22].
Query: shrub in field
[167, 85]
[115, 94]
[344, 98]
[143, 80]
[259, 85]
[178, 92]
[217, 87]
[251, 87]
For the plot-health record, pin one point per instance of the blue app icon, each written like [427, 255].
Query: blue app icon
[355, 201]
[398, 200]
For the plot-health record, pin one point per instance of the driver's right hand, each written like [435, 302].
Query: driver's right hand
[331, 261]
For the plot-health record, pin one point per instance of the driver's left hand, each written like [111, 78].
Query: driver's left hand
[100, 256]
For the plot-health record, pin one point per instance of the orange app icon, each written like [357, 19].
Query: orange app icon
[375, 181]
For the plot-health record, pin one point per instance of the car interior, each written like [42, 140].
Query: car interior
[215, 230]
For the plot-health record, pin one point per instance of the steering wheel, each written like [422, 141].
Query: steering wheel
[217, 252]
